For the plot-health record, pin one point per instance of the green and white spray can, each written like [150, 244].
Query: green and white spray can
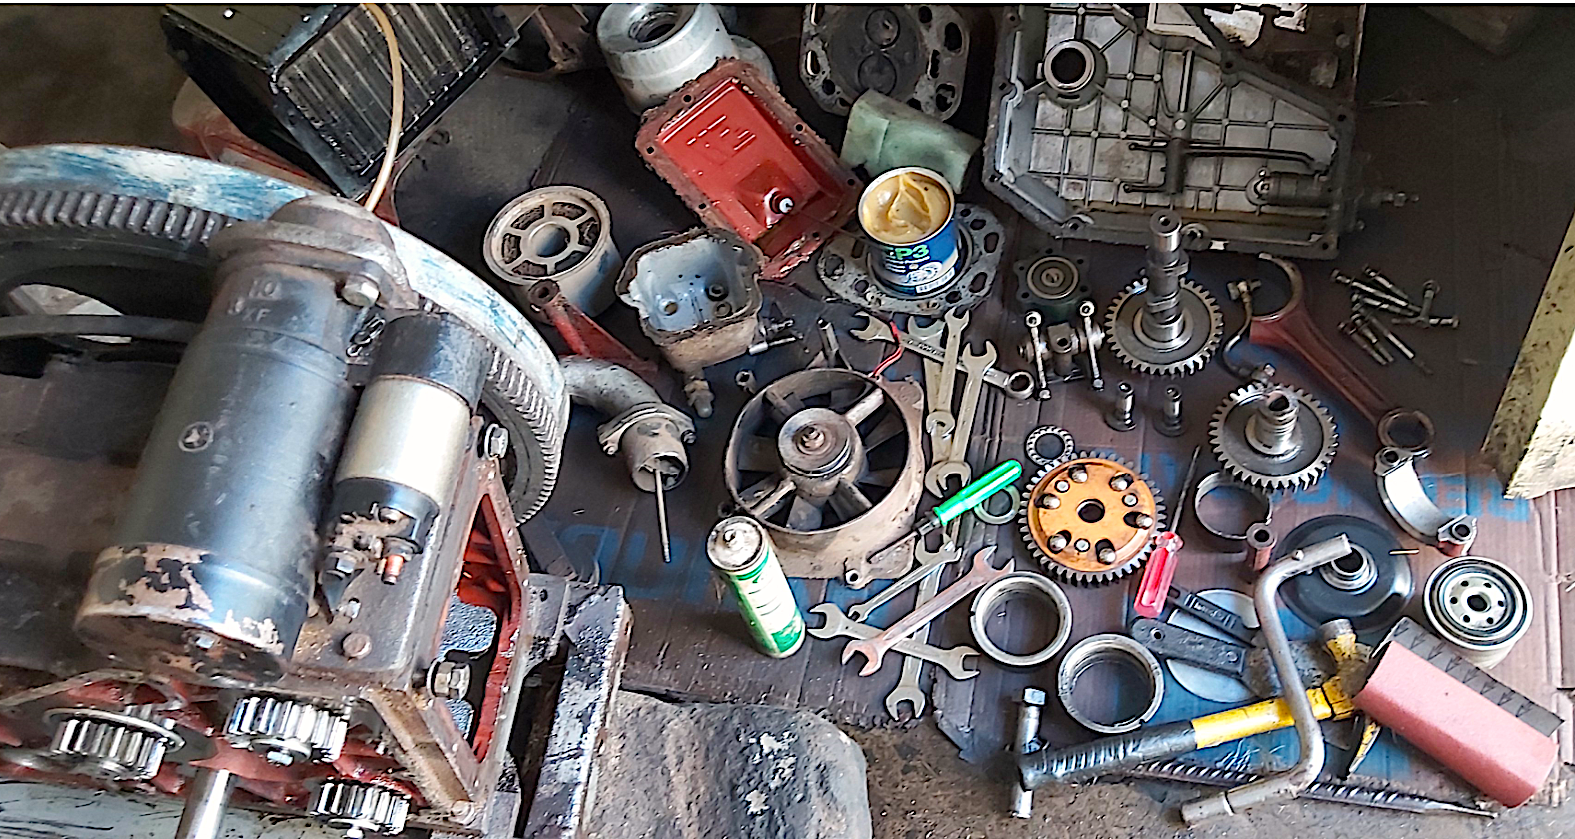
[741, 549]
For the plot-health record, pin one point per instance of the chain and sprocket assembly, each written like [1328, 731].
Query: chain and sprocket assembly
[1273, 436]
[1164, 324]
[1091, 519]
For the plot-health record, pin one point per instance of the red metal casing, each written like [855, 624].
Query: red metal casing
[734, 149]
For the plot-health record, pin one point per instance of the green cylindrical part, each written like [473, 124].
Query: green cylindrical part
[974, 494]
[741, 550]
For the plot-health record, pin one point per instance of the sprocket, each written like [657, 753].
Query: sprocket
[1238, 437]
[1206, 326]
[1104, 524]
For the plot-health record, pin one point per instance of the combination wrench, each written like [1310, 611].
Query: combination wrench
[940, 421]
[907, 689]
[838, 625]
[927, 562]
[955, 464]
[1017, 384]
[875, 648]
[932, 366]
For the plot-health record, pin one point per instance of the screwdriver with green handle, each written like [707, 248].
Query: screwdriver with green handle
[943, 513]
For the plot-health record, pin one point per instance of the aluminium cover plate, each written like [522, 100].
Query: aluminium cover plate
[1086, 100]
[843, 267]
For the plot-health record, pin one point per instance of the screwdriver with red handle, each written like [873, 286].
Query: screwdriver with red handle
[1161, 566]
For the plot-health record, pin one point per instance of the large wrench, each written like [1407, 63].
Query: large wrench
[838, 625]
[941, 421]
[927, 562]
[956, 461]
[875, 649]
[1018, 384]
[907, 689]
[932, 366]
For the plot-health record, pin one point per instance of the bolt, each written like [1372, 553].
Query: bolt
[1057, 542]
[1144, 520]
[1450, 322]
[1078, 474]
[391, 567]
[350, 609]
[1107, 556]
[341, 563]
[495, 441]
[1119, 417]
[1372, 275]
[450, 679]
[1365, 329]
[1171, 422]
[1061, 485]
[1120, 483]
[745, 379]
[1049, 502]
[1359, 299]
[1383, 331]
[359, 292]
[1373, 292]
[784, 205]
[1081, 546]
[1348, 329]
[356, 645]
[203, 640]
[1034, 697]
[810, 438]
[389, 514]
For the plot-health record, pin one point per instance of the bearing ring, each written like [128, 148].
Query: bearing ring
[1219, 480]
[1021, 582]
[1099, 649]
[1013, 495]
[1031, 446]
[1479, 606]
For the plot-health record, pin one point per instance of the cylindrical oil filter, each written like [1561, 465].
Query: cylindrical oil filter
[1478, 605]
[910, 215]
[741, 550]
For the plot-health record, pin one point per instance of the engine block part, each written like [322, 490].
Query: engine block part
[1084, 143]
[1370, 586]
[1273, 436]
[784, 190]
[1479, 606]
[830, 461]
[1405, 498]
[1106, 651]
[698, 295]
[557, 233]
[843, 266]
[1091, 519]
[913, 54]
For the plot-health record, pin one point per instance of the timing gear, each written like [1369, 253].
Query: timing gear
[285, 731]
[112, 746]
[1091, 519]
[360, 808]
[1164, 325]
[1273, 436]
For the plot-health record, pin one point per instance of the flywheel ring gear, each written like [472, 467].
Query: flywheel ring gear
[1199, 309]
[1089, 517]
[1317, 439]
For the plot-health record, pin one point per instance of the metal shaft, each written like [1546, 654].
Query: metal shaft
[1027, 734]
[1272, 429]
[1167, 263]
[207, 796]
[1172, 770]
[661, 518]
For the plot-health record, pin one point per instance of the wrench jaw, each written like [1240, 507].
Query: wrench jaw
[872, 655]
[901, 695]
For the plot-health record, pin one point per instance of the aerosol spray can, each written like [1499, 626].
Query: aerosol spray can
[741, 549]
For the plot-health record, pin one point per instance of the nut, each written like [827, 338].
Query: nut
[495, 441]
[360, 292]
[450, 679]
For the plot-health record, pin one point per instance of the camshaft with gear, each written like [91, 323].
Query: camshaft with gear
[1273, 436]
[1091, 519]
[1164, 324]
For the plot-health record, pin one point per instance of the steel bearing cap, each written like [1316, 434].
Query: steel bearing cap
[1106, 650]
[1035, 586]
[1202, 326]
[1091, 519]
[1478, 605]
[1273, 436]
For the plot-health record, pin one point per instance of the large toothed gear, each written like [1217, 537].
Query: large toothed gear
[1091, 519]
[1203, 326]
[1273, 436]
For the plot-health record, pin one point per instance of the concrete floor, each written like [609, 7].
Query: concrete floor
[100, 74]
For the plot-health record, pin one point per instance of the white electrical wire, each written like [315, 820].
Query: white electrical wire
[396, 120]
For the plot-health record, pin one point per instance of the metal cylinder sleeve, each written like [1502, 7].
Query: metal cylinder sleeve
[211, 565]
[1370, 586]
[1109, 650]
[1028, 585]
[653, 49]
[557, 233]
[1479, 606]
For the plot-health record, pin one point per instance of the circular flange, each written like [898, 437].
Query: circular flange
[1479, 606]
[914, 54]
[1314, 439]
[1216, 481]
[1031, 446]
[1370, 587]
[843, 267]
[558, 233]
[1091, 519]
[1203, 325]
[1097, 650]
[1002, 588]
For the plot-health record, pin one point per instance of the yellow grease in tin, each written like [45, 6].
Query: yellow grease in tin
[905, 209]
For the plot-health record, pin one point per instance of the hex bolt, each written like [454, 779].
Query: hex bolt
[1119, 483]
[1365, 329]
[1348, 329]
[1373, 292]
[360, 292]
[1027, 740]
[1405, 349]
[1144, 520]
[1119, 417]
[495, 442]
[1130, 499]
[1078, 474]
[1057, 542]
[1171, 422]
[1106, 556]
[1359, 299]
[1371, 275]
[356, 645]
[1063, 485]
[449, 679]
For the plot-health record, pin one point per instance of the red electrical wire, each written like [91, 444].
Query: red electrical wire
[896, 353]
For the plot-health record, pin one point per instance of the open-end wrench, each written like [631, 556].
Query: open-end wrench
[956, 461]
[875, 649]
[1018, 384]
[838, 625]
[928, 562]
[932, 366]
[956, 322]
[907, 690]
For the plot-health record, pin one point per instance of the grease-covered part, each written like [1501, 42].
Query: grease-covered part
[1273, 436]
[1091, 519]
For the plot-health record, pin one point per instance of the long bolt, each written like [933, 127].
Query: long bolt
[661, 515]
[1348, 329]
[1373, 292]
[1171, 422]
[1401, 346]
[1372, 275]
[1450, 322]
[1027, 738]
[1119, 417]
[1360, 299]
[1272, 428]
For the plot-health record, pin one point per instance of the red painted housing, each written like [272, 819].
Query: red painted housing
[741, 158]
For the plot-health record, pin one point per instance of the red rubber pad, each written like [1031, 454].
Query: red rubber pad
[1492, 749]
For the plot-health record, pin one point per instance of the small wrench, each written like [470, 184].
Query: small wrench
[907, 689]
[838, 625]
[1017, 384]
[956, 322]
[875, 649]
[937, 415]
[927, 562]
[956, 461]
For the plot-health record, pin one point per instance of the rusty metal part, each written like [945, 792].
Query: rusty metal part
[545, 303]
[1076, 344]
[1260, 542]
[557, 233]
[1105, 650]
[1273, 436]
[650, 434]
[980, 574]
[698, 295]
[1091, 519]
[830, 462]
[1406, 499]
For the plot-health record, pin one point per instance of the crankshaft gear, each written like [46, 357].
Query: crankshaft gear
[1273, 436]
[359, 808]
[1091, 519]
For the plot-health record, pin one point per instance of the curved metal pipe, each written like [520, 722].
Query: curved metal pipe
[1292, 781]
[650, 433]
[604, 386]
